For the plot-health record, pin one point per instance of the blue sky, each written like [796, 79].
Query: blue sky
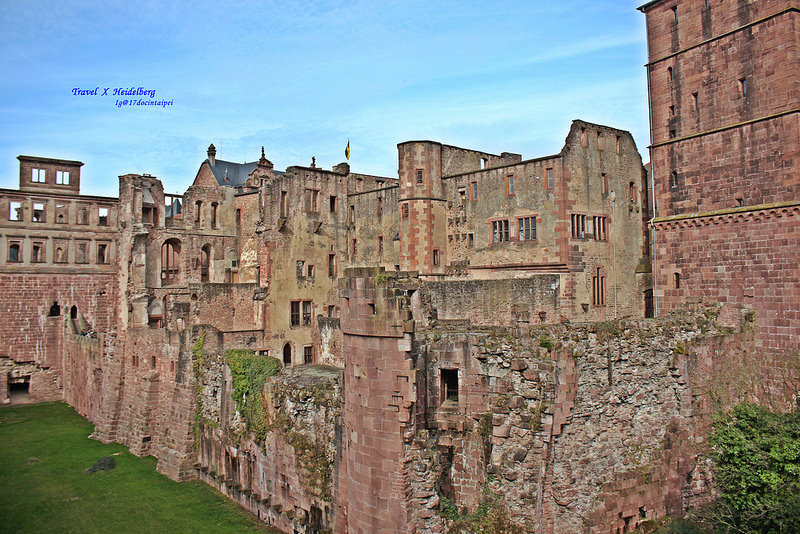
[300, 78]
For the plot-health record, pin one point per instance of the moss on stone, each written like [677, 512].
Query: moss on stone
[250, 372]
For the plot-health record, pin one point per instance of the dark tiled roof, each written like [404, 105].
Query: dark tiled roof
[231, 174]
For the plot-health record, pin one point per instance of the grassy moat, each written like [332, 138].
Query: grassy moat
[44, 454]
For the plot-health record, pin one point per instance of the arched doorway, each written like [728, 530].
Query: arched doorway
[287, 355]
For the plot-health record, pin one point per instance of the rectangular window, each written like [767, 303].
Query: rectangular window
[14, 252]
[379, 209]
[308, 354]
[474, 190]
[419, 176]
[500, 231]
[62, 178]
[599, 227]
[102, 216]
[38, 212]
[404, 211]
[603, 183]
[284, 204]
[331, 311]
[599, 288]
[148, 215]
[312, 200]
[310, 270]
[15, 211]
[102, 253]
[37, 252]
[213, 215]
[38, 176]
[380, 244]
[60, 253]
[306, 313]
[578, 226]
[742, 86]
[352, 216]
[601, 145]
[510, 184]
[333, 204]
[82, 252]
[354, 248]
[471, 240]
[527, 228]
[696, 101]
[436, 256]
[62, 213]
[448, 385]
[295, 313]
[619, 144]
[549, 178]
[332, 265]
[584, 137]
[83, 215]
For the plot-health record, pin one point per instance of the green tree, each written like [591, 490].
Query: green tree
[757, 454]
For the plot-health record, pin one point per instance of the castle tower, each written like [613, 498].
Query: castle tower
[724, 82]
[423, 215]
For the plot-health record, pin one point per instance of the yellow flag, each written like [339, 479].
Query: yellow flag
[347, 150]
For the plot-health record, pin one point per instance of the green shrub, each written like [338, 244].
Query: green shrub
[250, 371]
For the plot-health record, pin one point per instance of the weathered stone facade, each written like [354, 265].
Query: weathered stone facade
[724, 83]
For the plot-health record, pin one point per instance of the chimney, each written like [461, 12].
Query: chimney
[212, 153]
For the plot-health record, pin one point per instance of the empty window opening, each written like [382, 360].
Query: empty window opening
[287, 354]
[672, 111]
[599, 288]
[102, 216]
[743, 86]
[604, 183]
[379, 208]
[73, 312]
[484, 161]
[38, 212]
[14, 211]
[632, 192]
[672, 133]
[308, 354]
[436, 256]
[380, 244]
[471, 239]
[354, 248]
[474, 190]
[213, 215]
[601, 145]
[332, 265]
[669, 74]
[284, 204]
[198, 207]
[38, 176]
[152, 366]
[82, 252]
[312, 200]
[149, 215]
[510, 184]
[102, 253]
[740, 202]
[205, 263]
[310, 270]
[419, 176]
[83, 215]
[673, 179]
[55, 310]
[578, 225]
[584, 137]
[619, 144]
[549, 178]
[62, 178]
[677, 280]
[599, 226]
[371, 307]
[527, 228]
[333, 204]
[500, 231]
[449, 385]
[695, 101]
[170, 262]
[238, 217]
[675, 13]
[37, 252]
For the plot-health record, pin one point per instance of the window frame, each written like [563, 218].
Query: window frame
[36, 174]
[60, 178]
[527, 234]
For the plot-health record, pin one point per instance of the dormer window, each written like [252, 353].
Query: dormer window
[38, 176]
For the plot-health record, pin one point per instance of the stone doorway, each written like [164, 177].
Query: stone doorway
[287, 355]
[19, 389]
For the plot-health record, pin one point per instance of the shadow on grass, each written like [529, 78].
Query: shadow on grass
[44, 453]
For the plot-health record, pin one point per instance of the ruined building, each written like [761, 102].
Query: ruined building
[475, 332]
[724, 80]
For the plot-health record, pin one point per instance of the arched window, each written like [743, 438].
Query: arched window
[73, 312]
[632, 192]
[287, 355]
[205, 261]
[170, 262]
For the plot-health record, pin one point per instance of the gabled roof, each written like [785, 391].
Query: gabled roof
[229, 173]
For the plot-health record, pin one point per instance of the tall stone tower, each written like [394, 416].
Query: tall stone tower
[724, 82]
[423, 214]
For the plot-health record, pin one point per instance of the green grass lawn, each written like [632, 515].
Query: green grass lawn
[44, 453]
